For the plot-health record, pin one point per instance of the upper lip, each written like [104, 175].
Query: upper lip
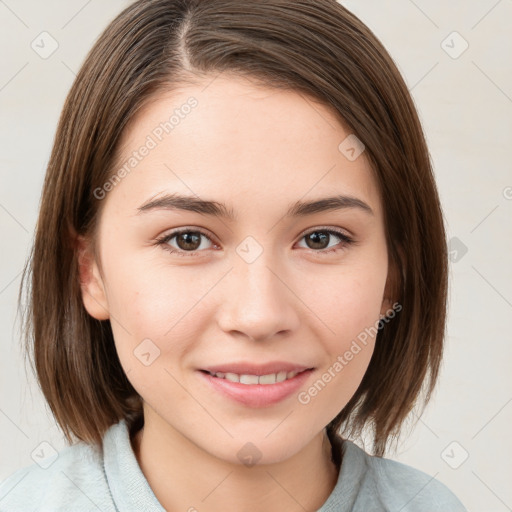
[241, 368]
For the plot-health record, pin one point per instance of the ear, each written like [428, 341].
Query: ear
[387, 300]
[391, 289]
[91, 282]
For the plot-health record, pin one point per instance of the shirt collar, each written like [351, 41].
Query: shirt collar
[131, 491]
[128, 485]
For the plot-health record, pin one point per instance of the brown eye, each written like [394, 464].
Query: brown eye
[319, 240]
[186, 241]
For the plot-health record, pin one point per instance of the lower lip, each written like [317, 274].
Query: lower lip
[257, 395]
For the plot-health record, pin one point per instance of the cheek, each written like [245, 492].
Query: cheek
[150, 297]
[155, 310]
[349, 306]
[352, 313]
[349, 302]
[336, 383]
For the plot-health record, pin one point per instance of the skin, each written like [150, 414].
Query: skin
[257, 150]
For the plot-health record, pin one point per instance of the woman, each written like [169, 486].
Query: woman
[240, 256]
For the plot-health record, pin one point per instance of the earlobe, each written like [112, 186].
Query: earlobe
[390, 290]
[387, 304]
[91, 282]
[387, 301]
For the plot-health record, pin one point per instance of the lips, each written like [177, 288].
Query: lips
[257, 385]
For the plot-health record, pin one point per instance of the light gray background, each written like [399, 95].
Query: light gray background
[465, 104]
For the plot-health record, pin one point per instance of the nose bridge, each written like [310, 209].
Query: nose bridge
[257, 279]
[257, 302]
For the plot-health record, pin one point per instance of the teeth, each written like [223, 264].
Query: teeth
[249, 379]
[271, 378]
[281, 376]
[267, 379]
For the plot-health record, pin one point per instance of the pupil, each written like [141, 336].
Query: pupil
[188, 239]
[318, 239]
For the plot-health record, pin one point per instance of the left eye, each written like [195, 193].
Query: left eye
[189, 241]
[320, 236]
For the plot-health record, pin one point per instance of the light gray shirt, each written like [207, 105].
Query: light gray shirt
[108, 478]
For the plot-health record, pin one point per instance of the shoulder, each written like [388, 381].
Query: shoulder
[73, 479]
[398, 486]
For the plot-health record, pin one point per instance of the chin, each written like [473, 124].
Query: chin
[249, 453]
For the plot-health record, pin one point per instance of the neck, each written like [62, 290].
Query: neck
[183, 476]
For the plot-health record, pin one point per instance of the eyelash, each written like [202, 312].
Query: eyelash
[346, 241]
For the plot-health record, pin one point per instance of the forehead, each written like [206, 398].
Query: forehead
[229, 139]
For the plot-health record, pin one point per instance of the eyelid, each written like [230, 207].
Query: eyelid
[338, 230]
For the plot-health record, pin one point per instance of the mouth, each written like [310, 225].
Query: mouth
[250, 379]
[256, 386]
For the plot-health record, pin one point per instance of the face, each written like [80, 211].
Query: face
[263, 291]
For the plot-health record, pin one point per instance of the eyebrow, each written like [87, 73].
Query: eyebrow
[216, 209]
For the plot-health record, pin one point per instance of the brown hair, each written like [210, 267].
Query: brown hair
[313, 47]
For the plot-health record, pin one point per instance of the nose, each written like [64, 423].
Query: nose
[258, 301]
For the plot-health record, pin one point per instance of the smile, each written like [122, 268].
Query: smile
[271, 378]
[253, 390]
